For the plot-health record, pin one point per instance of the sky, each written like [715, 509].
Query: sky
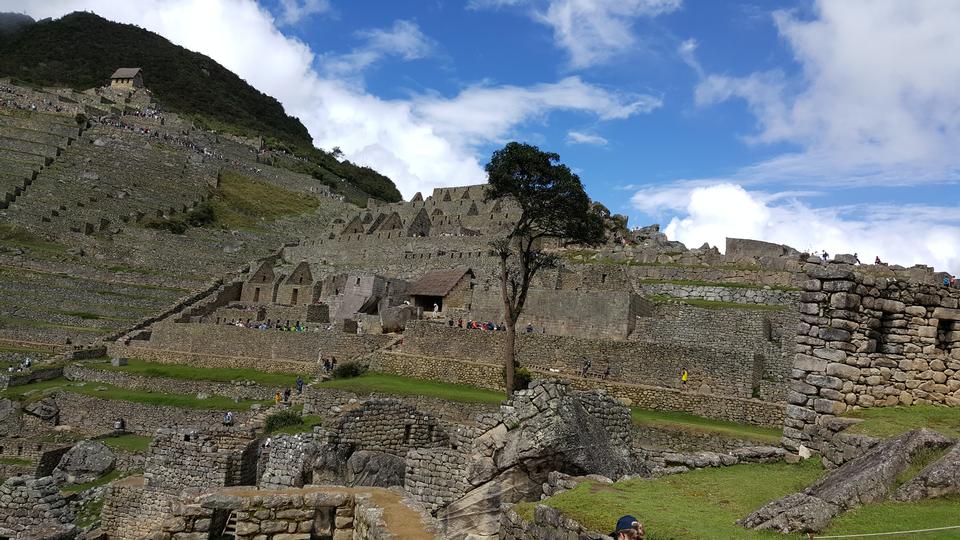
[823, 124]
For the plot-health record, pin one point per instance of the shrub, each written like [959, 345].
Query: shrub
[349, 370]
[202, 215]
[522, 378]
[284, 418]
[175, 226]
[81, 119]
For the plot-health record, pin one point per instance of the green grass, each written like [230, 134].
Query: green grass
[306, 425]
[39, 390]
[105, 479]
[12, 235]
[135, 444]
[192, 373]
[714, 304]
[28, 350]
[384, 383]
[689, 422]
[890, 421]
[242, 202]
[89, 513]
[704, 504]
[919, 461]
[15, 461]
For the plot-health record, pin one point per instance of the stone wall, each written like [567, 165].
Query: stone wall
[32, 506]
[287, 460]
[434, 476]
[716, 293]
[387, 425]
[767, 335]
[325, 402]
[489, 375]
[656, 438]
[547, 523]
[713, 367]
[864, 341]
[179, 459]
[97, 415]
[599, 314]
[133, 511]
[230, 346]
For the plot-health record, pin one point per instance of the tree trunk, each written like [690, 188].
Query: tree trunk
[509, 353]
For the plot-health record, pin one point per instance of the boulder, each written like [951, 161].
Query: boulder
[377, 469]
[476, 515]
[938, 479]
[394, 319]
[45, 409]
[861, 481]
[85, 462]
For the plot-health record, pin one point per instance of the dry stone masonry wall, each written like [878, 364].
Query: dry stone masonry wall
[864, 341]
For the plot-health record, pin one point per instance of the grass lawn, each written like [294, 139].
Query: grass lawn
[191, 373]
[306, 426]
[18, 322]
[700, 283]
[383, 383]
[15, 461]
[704, 504]
[105, 479]
[35, 391]
[129, 443]
[890, 421]
[689, 422]
[242, 202]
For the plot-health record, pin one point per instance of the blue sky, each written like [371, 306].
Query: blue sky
[831, 124]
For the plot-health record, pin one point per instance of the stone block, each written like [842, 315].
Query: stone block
[831, 355]
[811, 285]
[842, 300]
[809, 363]
[949, 314]
[824, 381]
[889, 306]
[829, 406]
[834, 334]
[839, 286]
[843, 371]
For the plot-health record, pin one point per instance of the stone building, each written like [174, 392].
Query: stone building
[261, 287]
[298, 287]
[127, 78]
[447, 289]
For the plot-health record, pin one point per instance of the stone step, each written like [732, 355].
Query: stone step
[39, 122]
[35, 136]
[29, 147]
[22, 159]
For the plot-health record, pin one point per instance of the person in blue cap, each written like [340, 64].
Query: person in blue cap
[628, 528]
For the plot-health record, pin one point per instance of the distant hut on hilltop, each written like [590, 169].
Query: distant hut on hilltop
[127, 78]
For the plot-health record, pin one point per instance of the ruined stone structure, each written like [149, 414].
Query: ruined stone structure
[870, 342]
[127, 78]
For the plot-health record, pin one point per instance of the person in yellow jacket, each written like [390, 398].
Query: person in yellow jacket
[683, 377]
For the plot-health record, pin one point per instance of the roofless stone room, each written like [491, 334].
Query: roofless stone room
[485, 270]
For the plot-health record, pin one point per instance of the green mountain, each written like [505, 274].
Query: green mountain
[81, 50]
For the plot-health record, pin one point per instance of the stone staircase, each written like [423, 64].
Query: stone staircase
[29, 143]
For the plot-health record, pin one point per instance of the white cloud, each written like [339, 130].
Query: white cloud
[903, 234]
[577, 137]
[294, 11]
[421, 143]
[687, 51]
[404, 40]
[876, 98]
[591, 31]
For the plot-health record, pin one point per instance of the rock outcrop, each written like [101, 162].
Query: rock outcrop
[861, 481]
[938, 479]
[85, 462]
[376, 469]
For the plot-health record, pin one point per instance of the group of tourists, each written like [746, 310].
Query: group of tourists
[267, 325]
[24, 365]
[477, 325]
[951, 281]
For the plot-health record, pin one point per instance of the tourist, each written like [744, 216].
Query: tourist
[228, 418]
[946, 281]
[877, 260]
[333, 363]
[856, 258]
[277, 397]
[436, 308]
[299, 385]
[628, 528]
[606, 372]
[586, 367]
[529, 328]
[119, 425]
[286, 394]
[683, 377]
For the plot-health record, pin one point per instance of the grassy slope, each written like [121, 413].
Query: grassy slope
[242, 202]
[689, 422]
[889, 421]
[129, 443]
[393, 384]
[704, 504]
[192, 373]
[30, 392]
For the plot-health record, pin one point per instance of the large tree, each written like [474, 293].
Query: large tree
[553, 207]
